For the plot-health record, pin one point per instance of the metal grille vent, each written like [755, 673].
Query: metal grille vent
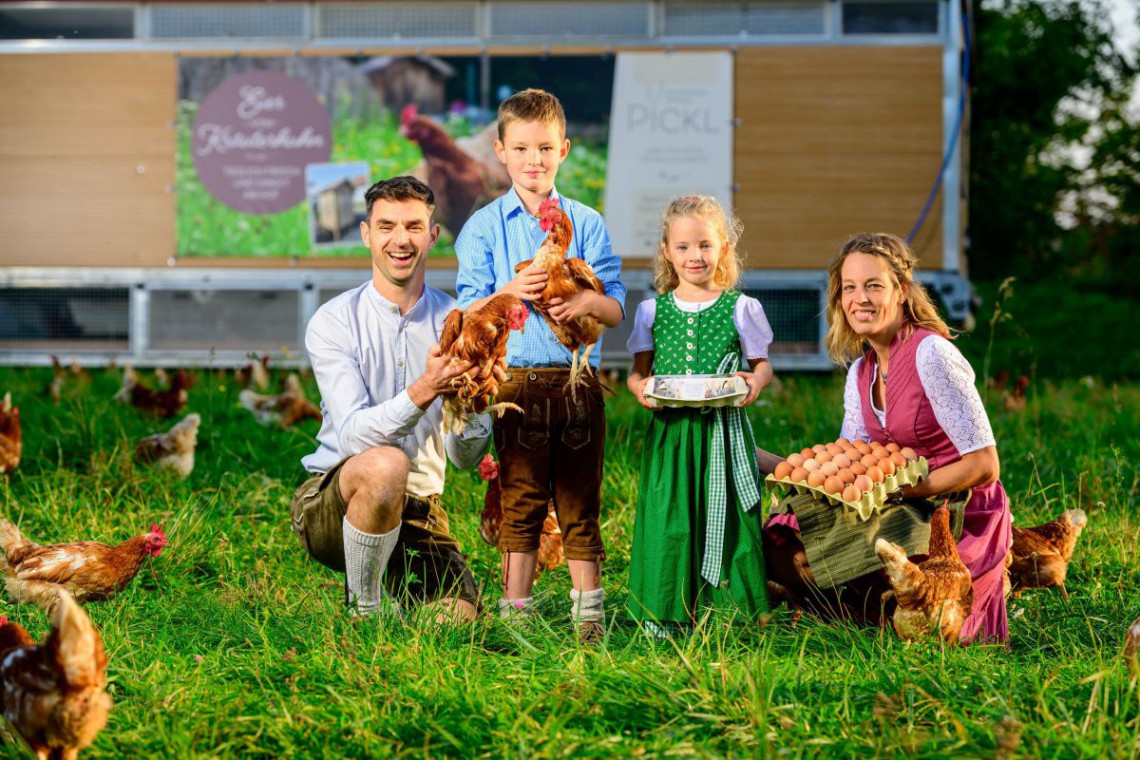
[570, 19]
[237, 21]
[738, 19]
[224, 320]
[87, 319]
[422, 20]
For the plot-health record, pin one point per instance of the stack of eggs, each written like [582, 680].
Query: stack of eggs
[857, 473]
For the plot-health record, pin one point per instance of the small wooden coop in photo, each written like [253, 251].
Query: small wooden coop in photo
[145, 218]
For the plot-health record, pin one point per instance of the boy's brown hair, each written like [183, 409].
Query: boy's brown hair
[532, 105]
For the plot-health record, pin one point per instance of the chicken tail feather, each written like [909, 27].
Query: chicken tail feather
[78, 647]
[10, 538]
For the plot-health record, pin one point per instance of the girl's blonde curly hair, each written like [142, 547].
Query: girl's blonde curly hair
[843, 344]
[706, 208]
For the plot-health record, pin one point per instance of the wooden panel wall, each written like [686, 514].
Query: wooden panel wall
[833, 141]
[87, 159]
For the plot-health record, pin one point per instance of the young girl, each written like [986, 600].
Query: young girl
[696, 539]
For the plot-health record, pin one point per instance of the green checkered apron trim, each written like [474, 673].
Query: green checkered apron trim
[840, 547]
[744, 480]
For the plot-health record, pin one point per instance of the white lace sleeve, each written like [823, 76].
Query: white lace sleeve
[641, 337]
[948, 380]
[853, 428]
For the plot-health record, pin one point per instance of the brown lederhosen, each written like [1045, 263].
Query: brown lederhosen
[427, 563]
[553, 450]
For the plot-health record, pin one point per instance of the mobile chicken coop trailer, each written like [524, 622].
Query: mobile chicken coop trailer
[121, 238]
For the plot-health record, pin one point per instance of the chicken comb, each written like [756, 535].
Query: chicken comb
[547, 205]
[488, 468]
[3, 620]
[408, 114]
[157, 530]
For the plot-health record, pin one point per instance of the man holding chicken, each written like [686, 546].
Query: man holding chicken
[371, 506]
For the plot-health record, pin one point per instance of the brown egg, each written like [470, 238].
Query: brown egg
[851, 494]
[796, 460]
[811, 465]
[909, 453]
[869, 459]
[834, 449]
[863, 483]
[858, 468]
[862, 447]
[833, 485]
[829, 468]
[892, 447]
[878, 451]
[842, 442]
[815, 479]
[887, 466]
[898, 459]
[783, 470]
[822, 457]
[799, 475]
[807, 454]
[842, 460]
[875, 474]
[846, 475]
[853, 454]
[818, 448]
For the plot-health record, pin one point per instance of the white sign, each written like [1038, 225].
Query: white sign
[670, 135]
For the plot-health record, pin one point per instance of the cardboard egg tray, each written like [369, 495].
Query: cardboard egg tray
[870, 501]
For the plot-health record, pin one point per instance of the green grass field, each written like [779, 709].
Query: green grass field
[233, 643]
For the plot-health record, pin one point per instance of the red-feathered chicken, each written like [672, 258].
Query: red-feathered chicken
[1132, 647]
[1040, 556]
[462, 184]
[89, 570]
[11, 435]
[166, 403]
[287, 408]
[173, 449]
[479, 337]
[934, 596]
[53, 694]
[567, 276]
[550, 552]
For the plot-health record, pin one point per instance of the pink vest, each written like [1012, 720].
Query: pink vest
[986, 534]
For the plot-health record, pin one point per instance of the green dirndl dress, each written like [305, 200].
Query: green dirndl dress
[670, 567]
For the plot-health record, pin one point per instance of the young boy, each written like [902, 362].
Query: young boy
[554, 449]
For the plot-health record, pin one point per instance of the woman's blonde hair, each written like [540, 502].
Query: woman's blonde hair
[729, 228]
[843, 344]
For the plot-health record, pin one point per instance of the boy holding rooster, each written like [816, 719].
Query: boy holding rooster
[531, 243]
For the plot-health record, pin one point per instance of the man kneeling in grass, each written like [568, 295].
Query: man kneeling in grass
[371, 508]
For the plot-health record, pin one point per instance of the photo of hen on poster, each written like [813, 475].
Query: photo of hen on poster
[272, 152]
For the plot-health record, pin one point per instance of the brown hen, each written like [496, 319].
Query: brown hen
[480, 337]
[11, 435]
[566, 278]
[173, 449]
[53, 693]
[285, 409]
[89, 570]
[934, 596]
[1040, 556]
[164, 403]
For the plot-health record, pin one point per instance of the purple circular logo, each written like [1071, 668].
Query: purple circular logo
[253, 136]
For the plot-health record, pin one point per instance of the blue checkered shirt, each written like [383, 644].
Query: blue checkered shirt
[501, 235]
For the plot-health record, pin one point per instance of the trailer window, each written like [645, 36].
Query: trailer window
[890, 18]
[687, 19]
[67, 23]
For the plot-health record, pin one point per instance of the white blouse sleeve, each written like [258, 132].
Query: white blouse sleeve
[853, 427]
[948, 380]
[753, 328]
[641, 337]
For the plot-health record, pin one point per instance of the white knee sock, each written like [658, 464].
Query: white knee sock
[586, 606]
[365, 558]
